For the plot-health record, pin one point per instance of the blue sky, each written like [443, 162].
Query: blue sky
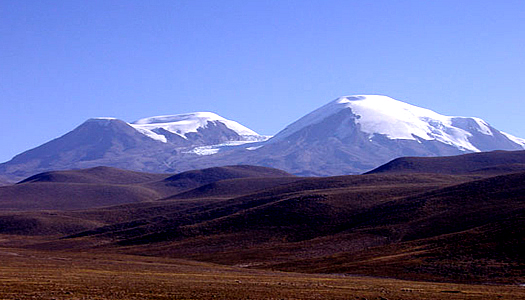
[261, 63]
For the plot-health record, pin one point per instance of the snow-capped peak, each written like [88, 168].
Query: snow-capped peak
[399, 120]
[103, 118]
[101, 121]
[376, 114]
[183, 124]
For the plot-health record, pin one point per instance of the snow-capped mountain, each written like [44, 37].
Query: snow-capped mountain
[395, 120]
[205, 133]
[187, 125]
[156, 144]
[349, 135]
[353, 134]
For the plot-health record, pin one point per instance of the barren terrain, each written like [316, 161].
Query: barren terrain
[243, 232]
[60, 275]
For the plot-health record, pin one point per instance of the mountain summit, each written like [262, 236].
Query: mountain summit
[187, 126]
[376, 115]
[350, 135]
[354, 134]
[155, 144]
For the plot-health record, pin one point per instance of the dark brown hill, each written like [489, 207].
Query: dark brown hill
[462, 228]
[80, 189]
[195, 178]
[67, 196]
[413, 226]
[453, 209]
[492, 163]
[43, 223]
[160, 220]
[491, 254]
[97, 175]
[291, 206]
[189, 180]
[230, 188]
[105, 186]
[467, 232]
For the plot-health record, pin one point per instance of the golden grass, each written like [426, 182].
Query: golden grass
[28, 274]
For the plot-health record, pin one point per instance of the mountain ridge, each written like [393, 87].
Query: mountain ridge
[349, 135]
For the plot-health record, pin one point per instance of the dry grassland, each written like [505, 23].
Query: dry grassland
[28, 274]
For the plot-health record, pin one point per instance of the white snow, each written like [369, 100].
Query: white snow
[186, 123]
[151, 134]
[214, 149]
[255, 138]
[483, 126]
[183, 124]
[516, 140]
[378, 114]
[253, 148]
[104, 118]
[204, 150]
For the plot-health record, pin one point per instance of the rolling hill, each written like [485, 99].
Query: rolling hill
[461, 227]
[496, 162]
[105, 186]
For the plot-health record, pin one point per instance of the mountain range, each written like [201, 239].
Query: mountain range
[350, 135]
[456, 219]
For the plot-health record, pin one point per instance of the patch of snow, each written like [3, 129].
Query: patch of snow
[483, 126]
[204, 150]
[516, 140]
[186, 123]
[183, 124]
[104, 118]
[253, 148]
[214, 149]
[151, 134]
[255, 138]
[233, 143]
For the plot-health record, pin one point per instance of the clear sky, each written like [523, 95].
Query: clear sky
[262, 63]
